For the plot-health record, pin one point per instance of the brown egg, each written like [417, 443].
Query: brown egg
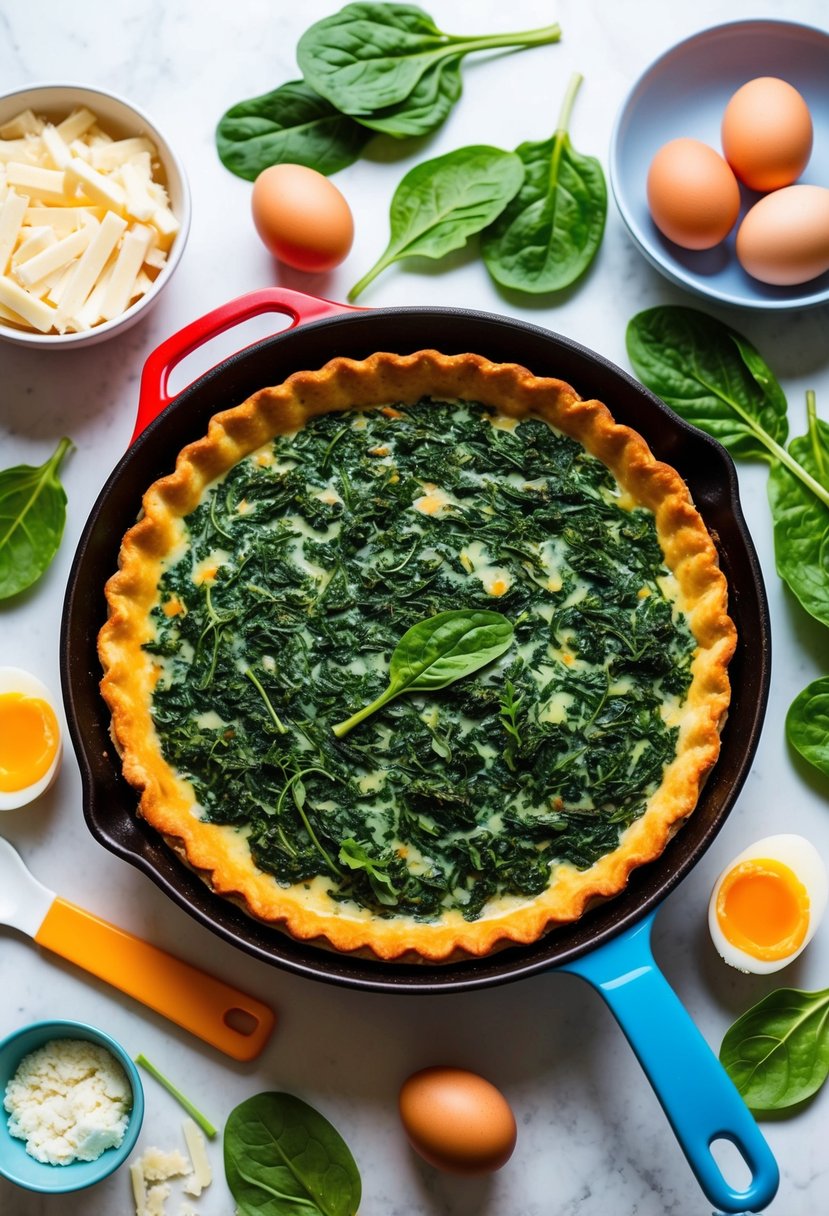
[692, 194]
[767, 133]
[457, 1121]
[784, 238]
[302, 217]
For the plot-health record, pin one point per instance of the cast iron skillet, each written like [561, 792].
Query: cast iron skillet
[609, 947]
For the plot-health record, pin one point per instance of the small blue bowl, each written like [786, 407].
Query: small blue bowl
[15, 1162]
[684, 93]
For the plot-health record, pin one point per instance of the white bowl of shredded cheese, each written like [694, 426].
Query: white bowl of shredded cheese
[71, 1106]
[94, 215]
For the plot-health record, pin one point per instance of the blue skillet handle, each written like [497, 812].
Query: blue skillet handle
[696, 1093]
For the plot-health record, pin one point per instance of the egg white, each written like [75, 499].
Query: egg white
[803, 859]
[15, 679]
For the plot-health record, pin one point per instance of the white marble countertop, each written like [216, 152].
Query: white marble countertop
[592, 1137]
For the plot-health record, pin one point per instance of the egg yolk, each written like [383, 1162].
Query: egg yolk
[29, 735]
[763, 908]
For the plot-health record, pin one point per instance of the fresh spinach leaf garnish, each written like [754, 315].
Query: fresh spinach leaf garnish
[442, 202]
[289, 125]
[283, 1157]
[32, 519]
[436, 652]
[305, 566]
[777, 1053]
[549, 233]
[391, 61]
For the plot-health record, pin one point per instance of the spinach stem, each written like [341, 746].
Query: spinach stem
[342, 728]
[562, 126]
[277, 721]
[461, 43]
[811, 417]
[369, 277]
[202, 1120]
[46, 472]
[567, 105]
[777, 450]
[59, 453]
[300, 809]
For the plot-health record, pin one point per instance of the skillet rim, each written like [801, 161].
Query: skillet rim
[131, 839]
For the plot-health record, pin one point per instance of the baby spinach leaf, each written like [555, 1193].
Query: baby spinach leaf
[368, 57]
[290, 125]
[807, 724]
[283, 1158]
[712, 377]
[426, 107]
[442, 202]
[801, 521]
[32, 518]
[548, 235]
[437, 652]
[777, 1053]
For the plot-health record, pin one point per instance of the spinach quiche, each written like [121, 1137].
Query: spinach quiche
[417, 656]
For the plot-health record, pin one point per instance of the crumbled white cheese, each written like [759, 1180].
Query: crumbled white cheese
[156, 1197]
[150, 1173]
[158, 1166]
[69, 1100]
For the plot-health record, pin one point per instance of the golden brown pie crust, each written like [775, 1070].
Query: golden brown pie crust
[220, 854]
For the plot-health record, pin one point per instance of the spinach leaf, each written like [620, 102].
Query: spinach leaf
[442, 202]
[290, 125]
[32, 518]
[717, 380]
[437, 652]
[283, 1158]
[426, 107]
[369, 57]
[807, 724]
[801, 521]
[777, 1053]
[357, 857]
[551, 231]
[712, 377]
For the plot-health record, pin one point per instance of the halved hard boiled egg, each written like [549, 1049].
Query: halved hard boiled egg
[767, 904]
[30, 738]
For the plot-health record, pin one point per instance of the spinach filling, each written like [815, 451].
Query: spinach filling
[304, 566]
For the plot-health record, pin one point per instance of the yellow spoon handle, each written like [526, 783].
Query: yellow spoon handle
[199, 1002]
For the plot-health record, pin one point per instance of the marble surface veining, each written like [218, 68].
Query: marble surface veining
[593, 1140]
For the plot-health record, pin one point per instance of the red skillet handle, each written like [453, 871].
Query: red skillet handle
[153, 397]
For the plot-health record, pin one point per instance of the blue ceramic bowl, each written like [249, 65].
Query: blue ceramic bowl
[15, 1162]
[684, 93]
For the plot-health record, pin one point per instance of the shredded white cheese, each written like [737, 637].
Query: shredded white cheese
[69, 1100]
[73, 198]
[149, 1175]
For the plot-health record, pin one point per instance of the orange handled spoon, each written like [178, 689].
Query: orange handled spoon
[237, 1024]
